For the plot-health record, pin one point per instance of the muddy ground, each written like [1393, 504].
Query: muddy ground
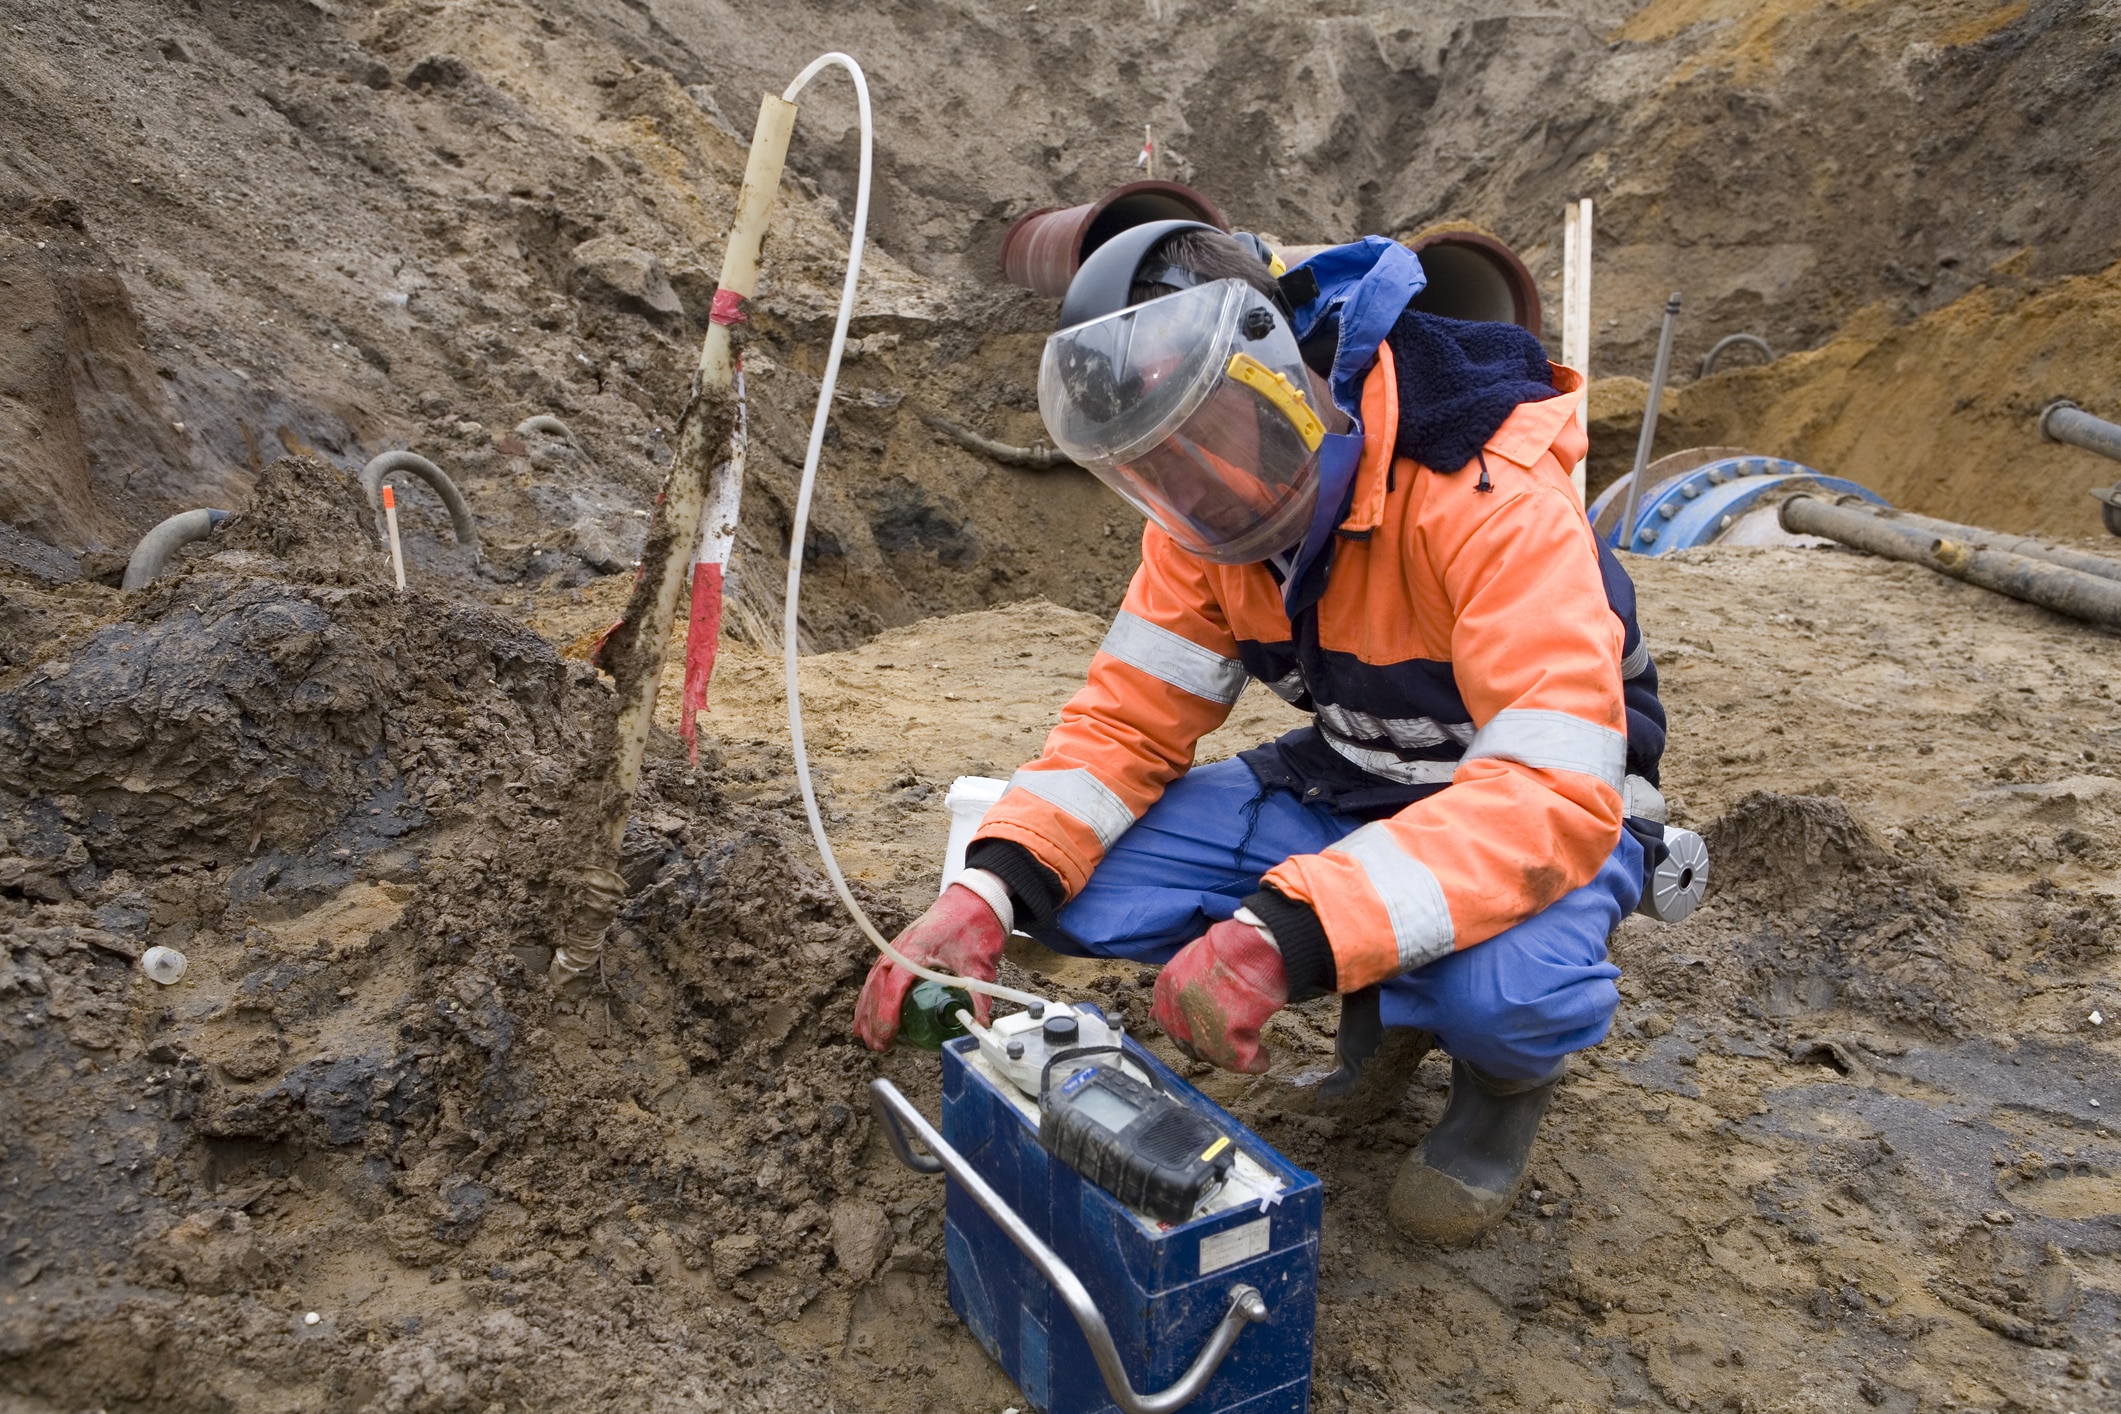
[1843, 1150]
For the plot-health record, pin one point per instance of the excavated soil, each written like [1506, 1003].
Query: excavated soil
[1849, 1145]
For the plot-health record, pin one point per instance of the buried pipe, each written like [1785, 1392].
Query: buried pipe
[2089, 597]
[1042, 249]
[1751, 341]
[1983, 539]
[151, 556]
[1038, 458]
[460, 518]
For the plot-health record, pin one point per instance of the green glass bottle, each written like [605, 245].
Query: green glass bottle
[929, 1016]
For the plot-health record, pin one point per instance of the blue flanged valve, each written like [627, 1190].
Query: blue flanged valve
[1731, 501]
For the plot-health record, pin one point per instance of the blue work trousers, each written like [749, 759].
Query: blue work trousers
[1512, 1006]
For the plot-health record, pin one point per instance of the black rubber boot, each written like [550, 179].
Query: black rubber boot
[1468, 1170]
[1377, 1064]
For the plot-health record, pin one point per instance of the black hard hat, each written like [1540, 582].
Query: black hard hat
[1104, 280]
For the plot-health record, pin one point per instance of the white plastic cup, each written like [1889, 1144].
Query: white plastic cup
[163, 965]
[969, 800]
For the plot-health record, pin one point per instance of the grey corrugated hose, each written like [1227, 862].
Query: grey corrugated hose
[460, 517]
[546, 423]
[152, 554]
[1751, 341]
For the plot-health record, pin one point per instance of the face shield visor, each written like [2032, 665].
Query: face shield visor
[1196, 408]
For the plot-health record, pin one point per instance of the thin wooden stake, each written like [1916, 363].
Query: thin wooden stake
[1576, 312]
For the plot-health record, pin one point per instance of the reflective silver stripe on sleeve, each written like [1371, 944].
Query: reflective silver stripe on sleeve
[1173, 658]
[1643, 800]
[1390, 767]
[1637, 662]
[1413, 900]
[1552, 741]
[1289, 687]
[1406, 733]
[1082, 795]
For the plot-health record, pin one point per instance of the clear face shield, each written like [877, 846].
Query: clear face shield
[1196, 408]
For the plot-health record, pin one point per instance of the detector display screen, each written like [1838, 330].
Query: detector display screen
[1108, 1109]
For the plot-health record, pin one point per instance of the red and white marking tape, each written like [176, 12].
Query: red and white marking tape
[397, 551]
[709, 564]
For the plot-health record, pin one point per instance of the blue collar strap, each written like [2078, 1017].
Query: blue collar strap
[1368, 284]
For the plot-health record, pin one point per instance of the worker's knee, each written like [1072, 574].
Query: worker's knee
[1514, 1005]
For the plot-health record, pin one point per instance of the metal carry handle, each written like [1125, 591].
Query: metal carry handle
[897, 1115]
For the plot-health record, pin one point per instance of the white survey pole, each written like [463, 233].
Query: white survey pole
[1576, 312]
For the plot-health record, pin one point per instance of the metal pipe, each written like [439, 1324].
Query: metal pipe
[467, 529]
[1650, 408]
[1984, 539]
[2051, 586]
[1753, 341]
[2063, 421]
[1246, 1304]
[151, 556]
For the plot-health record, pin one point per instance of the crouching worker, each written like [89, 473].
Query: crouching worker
[1367, 509]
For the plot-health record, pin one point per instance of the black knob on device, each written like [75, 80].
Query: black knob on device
[1061, 1030]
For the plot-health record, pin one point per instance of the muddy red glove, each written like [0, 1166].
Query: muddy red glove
[1216, 994]
[959, 933]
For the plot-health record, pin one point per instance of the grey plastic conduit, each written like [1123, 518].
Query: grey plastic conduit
[2064, 421]
[896, 1114]
[546, 423]
[1984, 539]
[1751, 341]
[151, 556]
[460, 518]
[1624, 538]
[2066, 591]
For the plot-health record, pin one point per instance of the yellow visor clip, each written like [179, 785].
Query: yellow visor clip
[1287, 398]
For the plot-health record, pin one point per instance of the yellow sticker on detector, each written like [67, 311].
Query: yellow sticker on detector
[1216, 1148]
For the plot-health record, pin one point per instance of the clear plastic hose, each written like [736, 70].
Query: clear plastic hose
[795, 548]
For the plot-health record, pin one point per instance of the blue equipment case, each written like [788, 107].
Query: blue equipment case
[1149, 1286]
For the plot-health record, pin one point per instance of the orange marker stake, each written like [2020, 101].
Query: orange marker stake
[390, 519]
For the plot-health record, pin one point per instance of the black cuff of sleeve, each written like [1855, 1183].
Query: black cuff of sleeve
[1306, 956]
[1035, 889]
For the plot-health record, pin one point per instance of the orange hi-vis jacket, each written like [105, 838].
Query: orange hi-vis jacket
[1439, 591]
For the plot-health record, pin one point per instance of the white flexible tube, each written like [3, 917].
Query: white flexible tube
[795, 549]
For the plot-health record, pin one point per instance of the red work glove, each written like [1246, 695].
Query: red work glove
[1213, 998]
[959, 933]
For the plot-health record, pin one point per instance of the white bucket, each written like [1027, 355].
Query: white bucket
[970, 798]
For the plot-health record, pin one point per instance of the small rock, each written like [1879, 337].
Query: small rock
[609, 268]
[1656, 1024]
[861, 1237]
[735, 1255]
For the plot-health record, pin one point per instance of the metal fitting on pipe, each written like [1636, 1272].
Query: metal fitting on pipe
[151, 556]
[2066, 591]
[460, 518]
[1751, 341]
